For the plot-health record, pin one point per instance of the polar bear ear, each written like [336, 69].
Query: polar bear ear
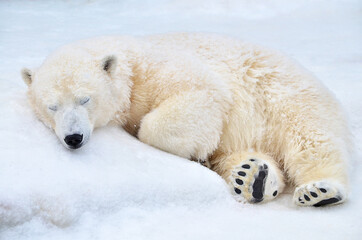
[109, 64]
[27, 76]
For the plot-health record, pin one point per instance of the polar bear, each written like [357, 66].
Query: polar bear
[256, 117]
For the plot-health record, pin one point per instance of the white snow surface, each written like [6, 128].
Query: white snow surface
[116, 187]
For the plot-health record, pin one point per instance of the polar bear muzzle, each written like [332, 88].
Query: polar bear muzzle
[72, 126]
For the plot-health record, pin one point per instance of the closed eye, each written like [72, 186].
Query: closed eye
[53, 107]
[84, 100]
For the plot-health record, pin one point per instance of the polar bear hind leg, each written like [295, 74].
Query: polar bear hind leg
[320, 182]
[319, 194]
[319, 171]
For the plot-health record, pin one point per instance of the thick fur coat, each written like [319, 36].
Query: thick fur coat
[254, 116]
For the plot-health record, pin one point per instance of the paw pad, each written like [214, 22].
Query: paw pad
[306, 197]
[317, 194]
[313, 194]
[249, 181]
[239, 181]
[246, 166]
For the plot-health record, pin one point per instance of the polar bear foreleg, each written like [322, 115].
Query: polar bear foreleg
[188, 125]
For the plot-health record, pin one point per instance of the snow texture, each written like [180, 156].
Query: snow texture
[119, 188]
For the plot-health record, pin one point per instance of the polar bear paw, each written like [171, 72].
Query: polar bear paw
[254, 181]
[319, 194]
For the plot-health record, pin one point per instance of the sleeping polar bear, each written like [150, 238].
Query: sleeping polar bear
[253, 115]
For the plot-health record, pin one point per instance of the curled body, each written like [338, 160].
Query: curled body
[255, 116]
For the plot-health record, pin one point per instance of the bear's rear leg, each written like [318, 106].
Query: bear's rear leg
[320, 178]
[253, 177]
[320, 193]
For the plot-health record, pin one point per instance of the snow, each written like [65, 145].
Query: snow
[116, 187]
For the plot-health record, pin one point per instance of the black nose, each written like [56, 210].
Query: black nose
[74, 140]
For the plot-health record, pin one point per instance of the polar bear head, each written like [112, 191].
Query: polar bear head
[75, 91]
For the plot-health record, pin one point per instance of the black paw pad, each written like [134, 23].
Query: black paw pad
[275, 193]
[262, 174]
[237, 190]
[246, 166]
[252, 160]
[314, 194]
[256, 200]
[323, 190]
[239, 181]
[241, 173]
[327, 202]
[259, 185]
[306, 197]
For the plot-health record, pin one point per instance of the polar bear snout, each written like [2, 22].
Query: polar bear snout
[73, 126]
[74, 141]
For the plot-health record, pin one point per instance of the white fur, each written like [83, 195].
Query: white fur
[202, 97]
[72, 120]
